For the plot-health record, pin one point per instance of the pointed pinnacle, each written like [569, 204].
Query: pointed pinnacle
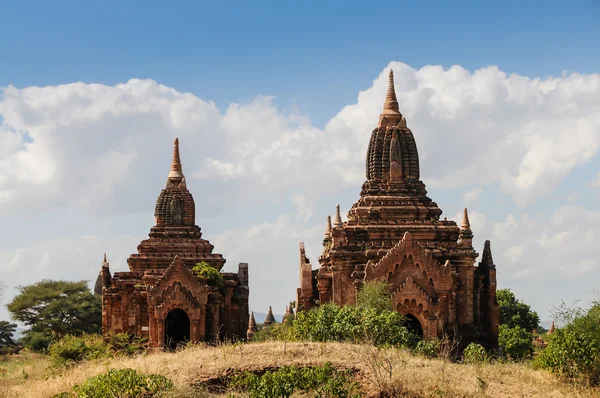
[104, 260]
[328, 227]
[176, 170]
[337, 221]
[390, 107]
[465, 222]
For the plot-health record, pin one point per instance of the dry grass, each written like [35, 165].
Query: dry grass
[392, 371]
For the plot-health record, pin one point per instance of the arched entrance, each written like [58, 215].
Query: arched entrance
[177, 329]
[413, 325]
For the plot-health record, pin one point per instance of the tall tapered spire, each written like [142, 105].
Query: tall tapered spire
[465, 222]
[252, 328]
[337, 221]
[391, 115]
[176, 178]
[465, 235]
[328, 228]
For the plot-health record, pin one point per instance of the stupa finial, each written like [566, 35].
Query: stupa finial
[391, 115]
[176, 163]
[337, 221]
[176, 178]
[465, 222]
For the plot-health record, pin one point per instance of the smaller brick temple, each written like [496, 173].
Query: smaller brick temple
[161, 297]
[394, 234]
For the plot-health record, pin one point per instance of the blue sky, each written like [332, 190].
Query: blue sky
[512, 131]
[316, 54]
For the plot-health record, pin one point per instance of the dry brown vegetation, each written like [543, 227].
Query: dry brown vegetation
[391, 371]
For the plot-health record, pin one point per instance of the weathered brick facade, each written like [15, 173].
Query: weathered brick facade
[161, 297]
[394, 233]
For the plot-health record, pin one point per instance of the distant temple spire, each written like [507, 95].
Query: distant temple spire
[337, 221]
[270, 319]
[289, 314]
[176, 179]
[552, 328]
[391, 115]
[252, 328]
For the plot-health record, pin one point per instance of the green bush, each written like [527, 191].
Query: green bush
[514, 312]
[349, 324]
[516, 341]
[375, 295]
[73, 349]
[37, 341]
[475, 353]
[428, 348]
[325, 381]
[213, 277]
[122, 383]
[573, 351]
[127, 344]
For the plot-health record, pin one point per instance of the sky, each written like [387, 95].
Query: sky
[273, 103]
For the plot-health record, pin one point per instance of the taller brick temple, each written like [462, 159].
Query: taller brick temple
[394, 233]
[161, 297]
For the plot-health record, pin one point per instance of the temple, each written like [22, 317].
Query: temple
[394, 234]
[162, 297]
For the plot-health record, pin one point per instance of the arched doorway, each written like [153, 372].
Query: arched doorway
[177, 329]
[413, 325]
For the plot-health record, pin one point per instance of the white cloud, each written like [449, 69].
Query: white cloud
[595, 183]
[471, 195]
[271, 177]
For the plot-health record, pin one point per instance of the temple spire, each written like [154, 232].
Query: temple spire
[465, 222]
[337, 221]
[270, 319]
[252, 328]
[104, 261]
[391, 115]
[328, 228]
[176, 179]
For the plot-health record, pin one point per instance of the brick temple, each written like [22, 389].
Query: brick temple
[394, 233]
[161, 297]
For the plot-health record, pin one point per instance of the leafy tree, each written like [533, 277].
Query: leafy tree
[204, 270]
[53, 309]
[375, 295]
[573, 351]
[516, 341]
[514, 312]
[7, 331]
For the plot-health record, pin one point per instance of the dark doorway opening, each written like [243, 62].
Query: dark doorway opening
[177, 329]
[413, 325]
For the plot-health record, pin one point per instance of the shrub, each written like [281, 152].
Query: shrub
[475, 353]
[124, 383]
[573, 352]
[127, 344]
[73, 349]
[325, 381]
[350, 324]
[213, 277]
[375, 295]
[428, 348]
[516, 341]
[37, 341]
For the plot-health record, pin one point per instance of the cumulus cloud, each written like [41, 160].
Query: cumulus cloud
[270, 177]
[472, 195]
